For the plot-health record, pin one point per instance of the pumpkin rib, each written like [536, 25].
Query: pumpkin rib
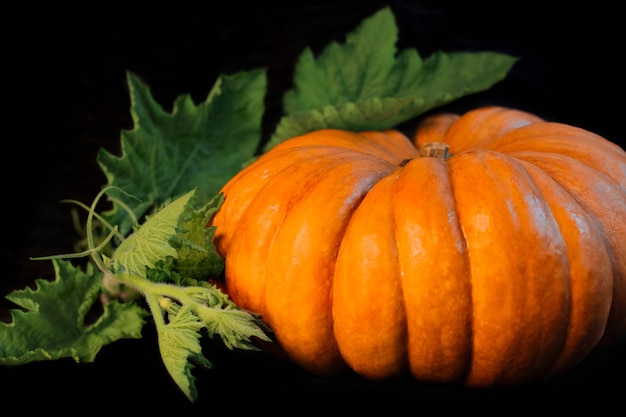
[590, 271]
[513, 242]
[390, 145]
[362, 261]
[434, 271]
[252, 177]
[241, 190]
[548, 130]
[297, 285]
[606, 202]
[479, 126]
[368, 310]
[247, 252]
[603, 159]
[560, 139]
[433, 128]
[396, 143]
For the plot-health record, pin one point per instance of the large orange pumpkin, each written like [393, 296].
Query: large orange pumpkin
[489, 252]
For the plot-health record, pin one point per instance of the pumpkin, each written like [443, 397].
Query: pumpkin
[487, 250]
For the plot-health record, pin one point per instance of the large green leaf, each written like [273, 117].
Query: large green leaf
[53, 323]
[195, 146]
[366, 84]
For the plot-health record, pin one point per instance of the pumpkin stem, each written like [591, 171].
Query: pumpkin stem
[436, 150]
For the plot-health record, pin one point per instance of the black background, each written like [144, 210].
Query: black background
[65, 96]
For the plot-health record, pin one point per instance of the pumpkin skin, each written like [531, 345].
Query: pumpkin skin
[502, 263]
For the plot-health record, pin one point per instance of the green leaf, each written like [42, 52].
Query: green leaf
[365, 84]
[175, 235]
[195, 146]
[235, 326]
[168, 259]
[53, 322]
[179, 343]
[189, 310]
[357, 70]
[195, 249]
[370, 114]
[150, 243]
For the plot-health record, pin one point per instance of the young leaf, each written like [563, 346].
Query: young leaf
[53, 324]
[148, 261]
[236, 327]
[196, 253]
[195, 146]
[150, 243]
[178, 343]
[365, 84]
